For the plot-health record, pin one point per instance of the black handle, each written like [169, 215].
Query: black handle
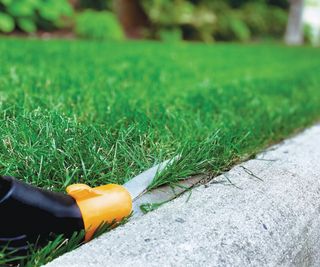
[32, 215]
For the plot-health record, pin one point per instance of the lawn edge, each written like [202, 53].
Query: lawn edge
[299, 226]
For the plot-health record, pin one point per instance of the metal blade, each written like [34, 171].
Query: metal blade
[140, 183]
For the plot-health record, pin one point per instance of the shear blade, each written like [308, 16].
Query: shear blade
[139, 184]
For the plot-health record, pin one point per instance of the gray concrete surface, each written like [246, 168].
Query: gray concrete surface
[269, 217]
[164, 193]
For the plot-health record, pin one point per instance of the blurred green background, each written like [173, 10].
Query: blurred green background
[168, 20]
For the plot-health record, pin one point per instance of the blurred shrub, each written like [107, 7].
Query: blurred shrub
[6, 23]
[278, 20]
[308, 34]
[264, 20]
[170, 35]
[227, 20]
[98, 25]
[194, 21]
[94, 4]
[253, 19]
[239, 3]
[29, 15]
[230, 25]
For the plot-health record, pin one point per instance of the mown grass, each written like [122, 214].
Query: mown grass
[75, 111]
[98, 113]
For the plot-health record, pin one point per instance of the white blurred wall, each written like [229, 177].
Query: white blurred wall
[311, 17]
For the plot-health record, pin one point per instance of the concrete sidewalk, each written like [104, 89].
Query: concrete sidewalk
[269, 217]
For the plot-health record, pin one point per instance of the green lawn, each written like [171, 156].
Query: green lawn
[97, 113]
[75, 111]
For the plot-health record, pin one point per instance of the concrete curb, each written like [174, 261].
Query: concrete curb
[271, 217]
